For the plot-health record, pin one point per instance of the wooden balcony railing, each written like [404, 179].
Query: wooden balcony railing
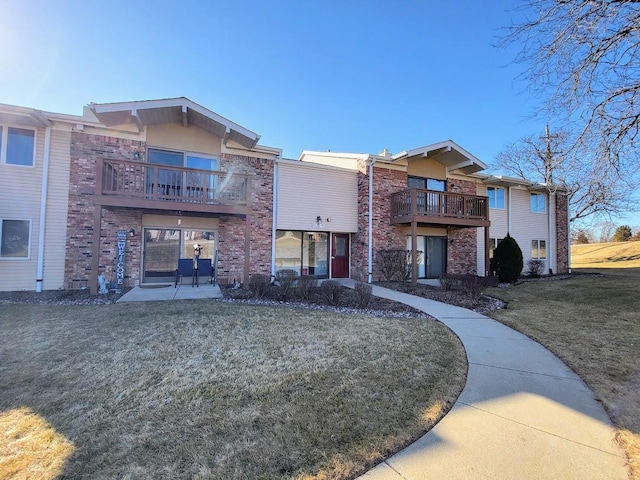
[446, 208]
[139, 184]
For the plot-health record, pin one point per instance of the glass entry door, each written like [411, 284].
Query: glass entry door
[161, 253]
[432, 256]
[163, 248]
[436, 257]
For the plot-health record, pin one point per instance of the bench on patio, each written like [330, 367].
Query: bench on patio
[185, 268]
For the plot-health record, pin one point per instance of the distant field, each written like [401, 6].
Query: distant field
[606, 255]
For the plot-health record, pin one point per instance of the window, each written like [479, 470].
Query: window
[306, 253]
[493, 243]
[172, 183]
[496, 197]
[537, 203]
[427, 183]
[17, 146]
[14, 238]
[539, 249]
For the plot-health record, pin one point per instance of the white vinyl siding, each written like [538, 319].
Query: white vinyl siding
[57, 209]
[499, 228]
[20, 199]
[527, 226]
[307, 191]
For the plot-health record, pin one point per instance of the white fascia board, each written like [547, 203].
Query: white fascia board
[449, 144]
[353, 156]
[31, 116]
[173, 102]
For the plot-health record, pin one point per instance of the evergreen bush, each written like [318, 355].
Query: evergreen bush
[508, 260]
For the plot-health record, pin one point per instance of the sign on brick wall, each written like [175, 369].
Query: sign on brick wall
[121, 247]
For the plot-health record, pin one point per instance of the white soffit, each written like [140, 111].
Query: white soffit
[448, 153]
[173, 110]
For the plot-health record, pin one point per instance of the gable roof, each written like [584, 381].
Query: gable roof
[173, 110]
[28, 117]
[449, 153]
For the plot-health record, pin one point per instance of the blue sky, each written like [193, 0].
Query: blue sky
[354, 76]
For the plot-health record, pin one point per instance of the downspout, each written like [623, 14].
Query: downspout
[550, 236]
[274, 226]
[509, 215]
[568, 237]
[43, 208]
[370, 242]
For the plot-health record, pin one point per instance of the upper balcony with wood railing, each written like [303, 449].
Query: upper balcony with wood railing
[161, 187]
[439, 208]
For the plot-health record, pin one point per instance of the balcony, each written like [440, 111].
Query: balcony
[134, 184]
[439, 208]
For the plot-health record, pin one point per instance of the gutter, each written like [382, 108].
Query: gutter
[43, 208]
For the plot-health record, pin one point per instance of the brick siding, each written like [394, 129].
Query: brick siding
[86, 149]
[562, 234]
[462, 244]
[385, 235]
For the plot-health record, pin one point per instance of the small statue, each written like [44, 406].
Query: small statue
[102, 282]
[197, 251]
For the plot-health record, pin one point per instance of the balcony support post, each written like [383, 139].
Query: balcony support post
[487, 260]
[414, 253]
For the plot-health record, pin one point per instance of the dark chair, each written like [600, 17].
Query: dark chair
[185, 268]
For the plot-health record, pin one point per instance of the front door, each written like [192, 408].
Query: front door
[432, 256]
[163, 247]
[340, 255]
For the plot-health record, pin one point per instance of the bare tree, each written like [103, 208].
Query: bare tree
[584, 57]
[594, 187]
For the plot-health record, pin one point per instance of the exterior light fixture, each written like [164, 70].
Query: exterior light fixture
[132, 232]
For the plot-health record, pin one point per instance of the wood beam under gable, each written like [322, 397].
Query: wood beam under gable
[136, 120]
[185, 116]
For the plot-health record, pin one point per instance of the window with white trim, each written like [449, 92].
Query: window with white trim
[493, 243]
[14, 238]
[496, 197]
[538, 249]
[17, 146]
[538, 202]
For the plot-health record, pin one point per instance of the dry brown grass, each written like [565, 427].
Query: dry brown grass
[30, 448]
[606, 255]
[202, 389]
[592, 322]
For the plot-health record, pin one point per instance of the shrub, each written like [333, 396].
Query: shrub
[306, 286]
[507, 259]
[259, 285]
[472, 286]
[286, 280]
[363, 294]
[393, 264]
[447, 281]
[535, 267]
[330, 292]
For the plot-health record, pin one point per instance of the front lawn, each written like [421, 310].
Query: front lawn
[202, 389]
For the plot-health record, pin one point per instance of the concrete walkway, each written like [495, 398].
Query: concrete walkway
[181, 292]
[523, 414]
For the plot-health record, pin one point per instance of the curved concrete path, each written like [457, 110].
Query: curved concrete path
[523, 414]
